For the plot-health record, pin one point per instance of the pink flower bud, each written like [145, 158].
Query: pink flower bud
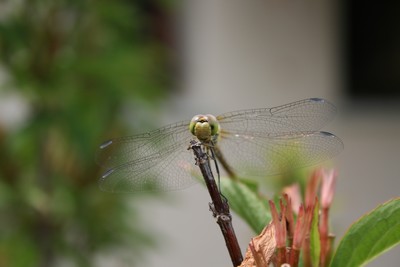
[328, 187]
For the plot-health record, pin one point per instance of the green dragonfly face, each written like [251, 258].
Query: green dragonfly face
[255, 143]
[205, 128]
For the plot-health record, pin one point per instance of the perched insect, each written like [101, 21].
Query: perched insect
[247, 143]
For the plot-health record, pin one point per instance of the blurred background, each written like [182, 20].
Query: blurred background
[75, 73]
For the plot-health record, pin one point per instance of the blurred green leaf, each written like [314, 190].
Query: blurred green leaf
[76, 65]
[370, 236]
[315, 244]
[247, 204]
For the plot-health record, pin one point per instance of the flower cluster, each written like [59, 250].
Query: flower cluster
[309, 233]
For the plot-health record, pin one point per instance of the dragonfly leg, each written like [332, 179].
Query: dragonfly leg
[212, 209]
[225, 200]
[225, 206]
[205, 155]
[217, 169]
[208, 149]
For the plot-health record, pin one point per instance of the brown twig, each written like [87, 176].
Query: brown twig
[219, 206]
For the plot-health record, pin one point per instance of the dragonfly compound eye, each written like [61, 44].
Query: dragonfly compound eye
[214, 124]
[193, 123]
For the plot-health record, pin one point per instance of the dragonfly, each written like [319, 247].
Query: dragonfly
[252, 143]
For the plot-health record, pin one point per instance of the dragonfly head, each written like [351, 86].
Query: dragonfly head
[204, 127]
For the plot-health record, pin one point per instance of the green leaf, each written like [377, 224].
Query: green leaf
[251, 184]
[315, 243]
[247, 204]
[370, 236]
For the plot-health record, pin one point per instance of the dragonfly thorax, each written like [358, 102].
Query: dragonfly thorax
[205, 128]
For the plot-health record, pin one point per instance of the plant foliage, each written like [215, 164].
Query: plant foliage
[370, 236]
[75, 65]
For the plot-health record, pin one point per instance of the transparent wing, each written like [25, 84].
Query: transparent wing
[306, 115]
[258, 155]
[119, 151]
[158, 158]
[172, 169]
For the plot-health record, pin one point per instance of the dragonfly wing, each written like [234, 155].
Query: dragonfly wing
[154, 161]
[167, 170]
[259, 155]
[306, 115]
[119, 151]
